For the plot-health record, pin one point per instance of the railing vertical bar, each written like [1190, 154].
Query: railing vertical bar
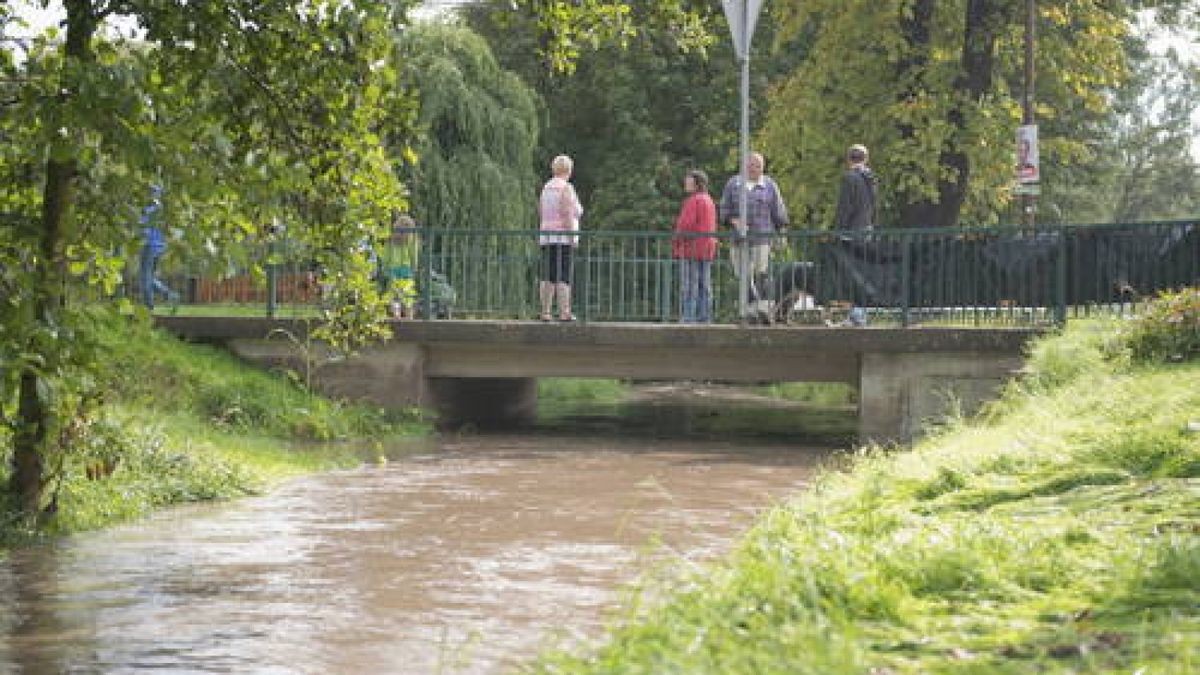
[905, 280]
[1060, 310]
[425, 255]
[584, 251]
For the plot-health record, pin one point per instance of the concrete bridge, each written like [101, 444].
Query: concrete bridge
[485, 372]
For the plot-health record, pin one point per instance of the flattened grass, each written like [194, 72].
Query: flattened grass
[1060, 533]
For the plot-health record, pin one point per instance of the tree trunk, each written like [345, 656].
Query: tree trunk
[35, 417]
[984, 21]
[917, 31]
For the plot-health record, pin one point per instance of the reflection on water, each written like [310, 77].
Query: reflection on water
[465, 556]
[704, 411]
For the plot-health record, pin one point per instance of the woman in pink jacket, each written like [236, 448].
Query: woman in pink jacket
[697, 216]
[559, 212]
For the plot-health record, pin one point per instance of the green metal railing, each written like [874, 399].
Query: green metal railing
[959, 276]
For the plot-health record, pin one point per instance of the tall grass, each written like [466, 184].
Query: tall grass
[1058, 533]
[579, 390]
[154, 371]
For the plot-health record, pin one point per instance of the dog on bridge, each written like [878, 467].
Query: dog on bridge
[793, 288]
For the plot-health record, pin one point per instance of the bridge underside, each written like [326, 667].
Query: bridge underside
[485, 372]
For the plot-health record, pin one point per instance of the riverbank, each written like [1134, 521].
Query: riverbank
[1057, 534]
[179, 423]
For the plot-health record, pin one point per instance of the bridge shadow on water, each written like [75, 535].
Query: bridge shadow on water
[694, 411]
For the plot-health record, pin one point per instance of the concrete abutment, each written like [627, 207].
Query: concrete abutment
[902, 394]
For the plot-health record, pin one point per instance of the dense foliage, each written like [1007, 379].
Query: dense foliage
[245, 113]
[1136, 162]
[933, 88]
[633, 116]
[1168, 329]
[566, 31]
[473, 166]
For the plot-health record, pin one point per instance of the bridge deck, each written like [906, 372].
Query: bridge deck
[478, 370]
[505, 349]
[535, 333]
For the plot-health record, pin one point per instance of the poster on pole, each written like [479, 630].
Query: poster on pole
[1027, 154]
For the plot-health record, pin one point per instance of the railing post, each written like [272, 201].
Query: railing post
[272, 289]
[425, 255]
[905, 279]
[585, 286]
[1060, 278]
[666, 265]
[272, 274]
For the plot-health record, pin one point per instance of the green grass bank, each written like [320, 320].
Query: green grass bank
[1058, 533]
[177, 423]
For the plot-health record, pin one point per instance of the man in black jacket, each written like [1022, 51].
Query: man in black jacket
[856, 208]
[856, 197]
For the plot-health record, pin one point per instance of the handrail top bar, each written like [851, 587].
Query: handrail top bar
[885, 232]
[798, 232]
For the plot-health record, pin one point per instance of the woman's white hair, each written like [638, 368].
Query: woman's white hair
[561, 164]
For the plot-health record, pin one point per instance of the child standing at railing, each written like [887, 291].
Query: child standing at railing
[399, 263]
[154, 245]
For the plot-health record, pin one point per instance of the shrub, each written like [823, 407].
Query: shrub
[1168, 330]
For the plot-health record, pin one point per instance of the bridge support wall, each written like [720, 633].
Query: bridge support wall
[900, 394]
[391, 376]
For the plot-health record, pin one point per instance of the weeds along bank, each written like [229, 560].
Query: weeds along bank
[1061, 533]
[166, 423]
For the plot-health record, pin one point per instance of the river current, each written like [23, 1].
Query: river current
[463, 554]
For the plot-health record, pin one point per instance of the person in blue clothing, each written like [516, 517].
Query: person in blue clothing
[154, 245]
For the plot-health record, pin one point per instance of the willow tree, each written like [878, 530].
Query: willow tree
[934, 89]
[473, 166]
[247, 111]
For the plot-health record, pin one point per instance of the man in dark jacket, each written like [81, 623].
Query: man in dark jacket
[856, 197]
[856, 211]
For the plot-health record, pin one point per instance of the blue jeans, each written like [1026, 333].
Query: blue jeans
[695, 290]
[148, 282]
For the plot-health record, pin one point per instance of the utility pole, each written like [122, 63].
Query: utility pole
[1029, 195]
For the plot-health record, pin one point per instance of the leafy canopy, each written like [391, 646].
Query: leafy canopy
[246, 112]
[934, 90]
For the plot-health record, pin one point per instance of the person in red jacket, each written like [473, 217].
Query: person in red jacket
[697, 217]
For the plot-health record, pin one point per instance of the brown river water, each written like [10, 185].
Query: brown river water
[466, 554]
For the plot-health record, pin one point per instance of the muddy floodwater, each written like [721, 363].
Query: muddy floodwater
[465, 554]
